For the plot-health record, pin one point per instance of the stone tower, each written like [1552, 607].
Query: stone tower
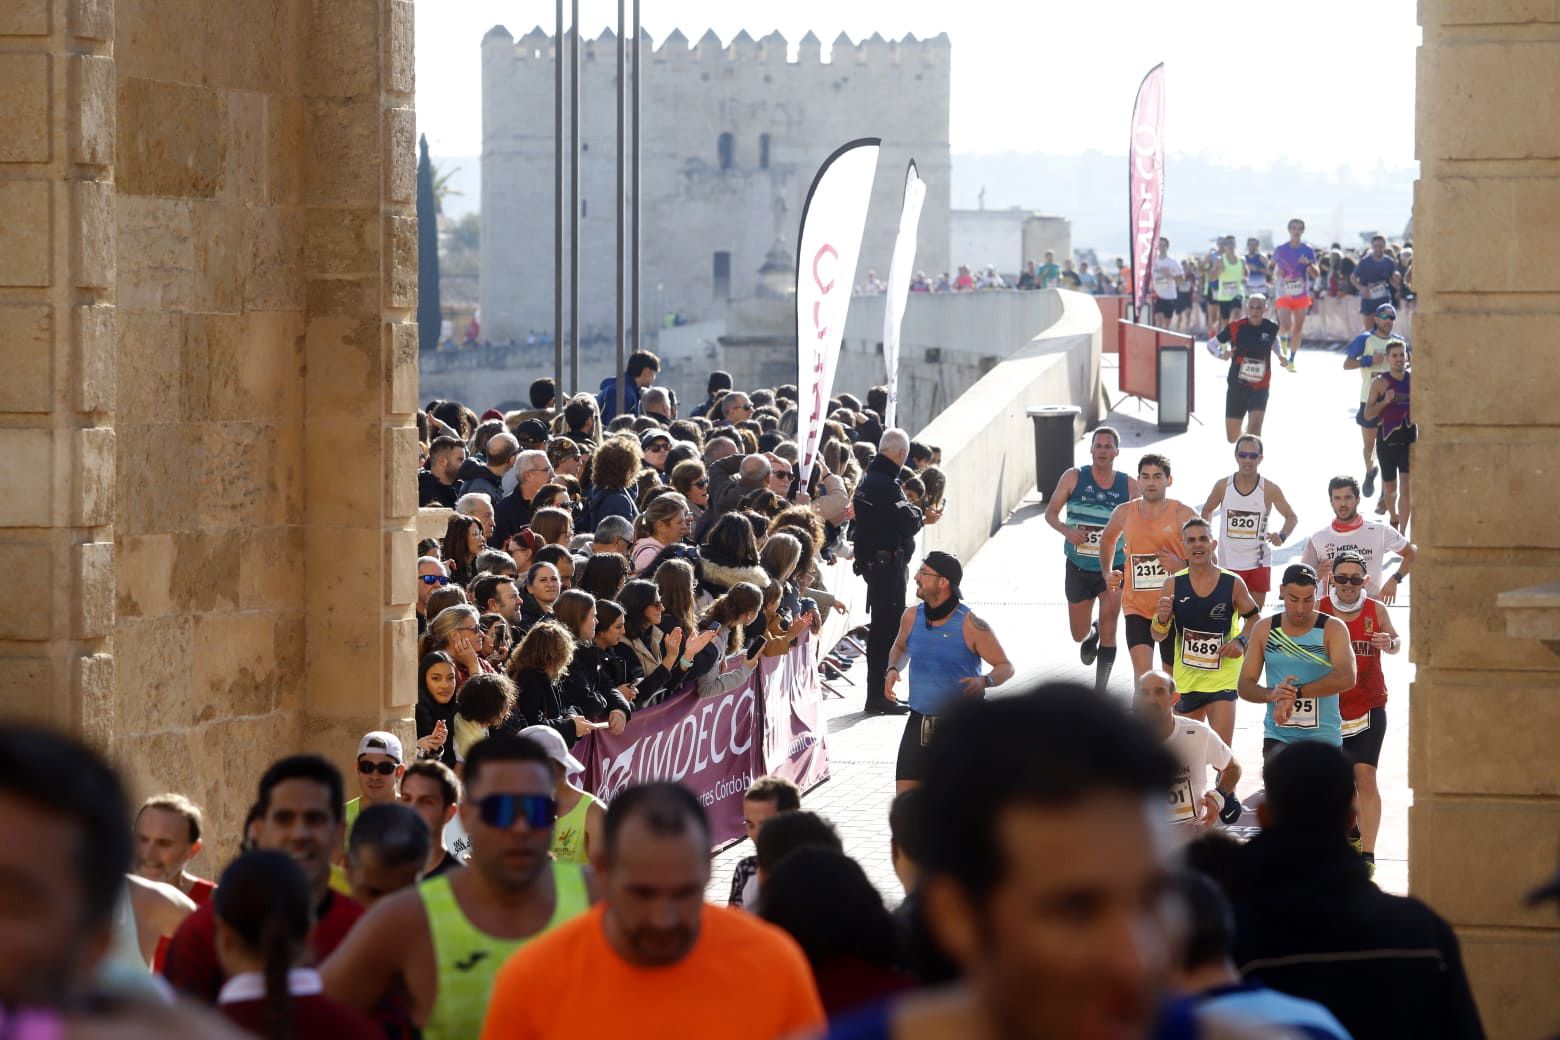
[732, 137]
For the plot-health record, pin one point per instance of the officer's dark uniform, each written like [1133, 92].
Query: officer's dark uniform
[885, 529]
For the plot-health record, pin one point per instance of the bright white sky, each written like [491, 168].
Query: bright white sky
[1044, 75]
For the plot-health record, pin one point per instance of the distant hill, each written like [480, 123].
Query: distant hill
[1203, 199]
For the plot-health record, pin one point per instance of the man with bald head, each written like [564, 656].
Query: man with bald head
[732, 479]
[488, 478]
[514, 510]
[477, 504]
[1196, 748]
[886, 526]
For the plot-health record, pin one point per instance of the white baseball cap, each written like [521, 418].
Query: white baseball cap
[380, 743]
[552, 742]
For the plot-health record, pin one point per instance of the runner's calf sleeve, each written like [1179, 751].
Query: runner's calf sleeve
[1102, 667]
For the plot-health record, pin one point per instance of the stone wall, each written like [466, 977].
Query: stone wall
[805, 109]
[1485, 825]
[220, 538]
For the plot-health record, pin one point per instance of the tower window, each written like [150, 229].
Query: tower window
[726, 148]
[722, 275]
[763, 151]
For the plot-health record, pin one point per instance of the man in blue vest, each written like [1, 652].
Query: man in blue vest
[948, 643]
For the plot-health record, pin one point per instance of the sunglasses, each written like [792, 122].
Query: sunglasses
[382, 768]
[1248, 454]
[782, 473]
[503, 810]
[434, 579]
[702, 482]
[660, 447]
[1345, 579]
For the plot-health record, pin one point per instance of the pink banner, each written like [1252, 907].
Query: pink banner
[707, 744]
[715, 746]
[1146, 183]
[793, 719]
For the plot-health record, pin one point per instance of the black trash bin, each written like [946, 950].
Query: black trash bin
[1054, 426]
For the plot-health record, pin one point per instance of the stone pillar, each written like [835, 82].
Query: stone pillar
[1485, 825]
[360, 354]
[57, 362]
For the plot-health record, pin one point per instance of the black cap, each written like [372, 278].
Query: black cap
[945, 565]
[1299, 574]
[532, 431]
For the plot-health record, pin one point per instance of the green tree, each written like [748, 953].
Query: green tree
[430, 318]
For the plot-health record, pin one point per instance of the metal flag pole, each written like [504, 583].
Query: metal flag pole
[634, 322]
[622, 195]
[574, 198]
[558, 202]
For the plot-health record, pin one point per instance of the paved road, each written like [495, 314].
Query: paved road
[1015, 582]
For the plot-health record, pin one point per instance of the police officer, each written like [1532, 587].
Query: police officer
[885, 529]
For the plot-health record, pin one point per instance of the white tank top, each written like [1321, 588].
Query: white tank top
[1243, 544]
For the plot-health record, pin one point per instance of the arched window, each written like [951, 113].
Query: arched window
[763, 151]
[726, 148]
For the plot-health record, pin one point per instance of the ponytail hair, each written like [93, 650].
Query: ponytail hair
[265, 899]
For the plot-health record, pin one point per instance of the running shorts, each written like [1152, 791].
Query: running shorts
[1229, 307]
[1183, 302]
[1138, 634]
[1190, 702]
[1240, 399]
[1393, 458]
[1369, 306]
[1083, 586]
[1364, 747]
[1369, 424]
[1293, 303]
[1163, 307]
[911, 763]
[1258, 579]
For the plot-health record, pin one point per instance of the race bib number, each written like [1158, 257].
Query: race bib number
[1229, 290]
[1292, 287]
[1243, 523]
[1091, 540]
[1201, 650]
[1354, 727]
[1305, 714]
[1377, 291]
[1182, 808]
[1253, 369]
[1147, 573]
[1165, 287]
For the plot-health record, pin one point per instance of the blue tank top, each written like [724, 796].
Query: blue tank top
[1304, 657]
[1088, 509]
[939, 658]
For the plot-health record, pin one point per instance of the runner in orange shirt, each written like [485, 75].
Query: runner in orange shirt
[1151, 526]
[654, 960]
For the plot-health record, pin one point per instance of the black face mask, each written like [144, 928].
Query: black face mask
[948, 607]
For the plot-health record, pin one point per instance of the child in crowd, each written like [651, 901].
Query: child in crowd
[483, 701]
[767, 796]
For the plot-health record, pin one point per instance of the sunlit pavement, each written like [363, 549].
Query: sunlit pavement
[1015, 583]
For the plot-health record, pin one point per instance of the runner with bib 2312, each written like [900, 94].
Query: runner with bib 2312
[1150, 526]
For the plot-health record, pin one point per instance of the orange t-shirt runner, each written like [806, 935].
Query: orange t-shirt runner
[743, 978]
[1145, 537]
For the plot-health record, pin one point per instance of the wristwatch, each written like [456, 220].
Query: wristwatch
[989, 683]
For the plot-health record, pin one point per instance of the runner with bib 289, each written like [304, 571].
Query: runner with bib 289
[1308, 663]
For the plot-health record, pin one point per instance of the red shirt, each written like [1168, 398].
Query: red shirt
[200, 891]
[191, 965]
[1370, 687]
